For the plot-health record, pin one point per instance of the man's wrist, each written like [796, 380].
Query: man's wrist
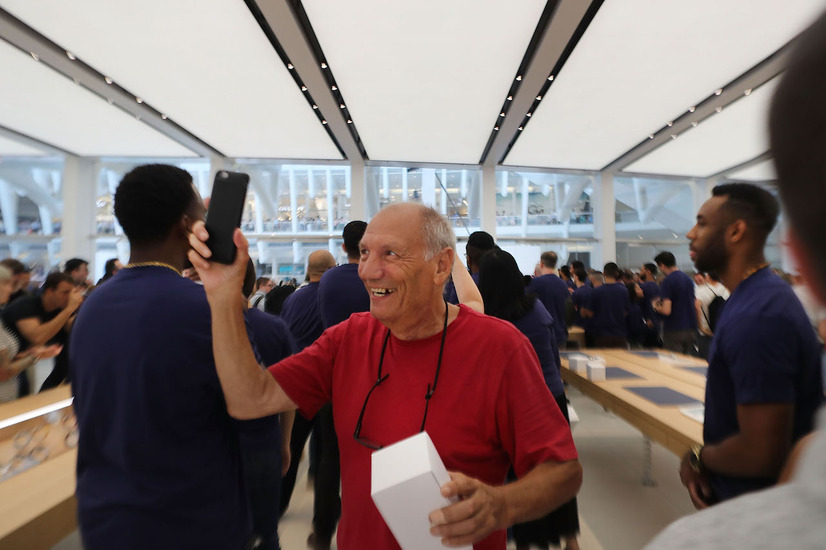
[695, 459]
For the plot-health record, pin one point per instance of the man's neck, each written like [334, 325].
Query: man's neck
[426, 325]
[548, 271]
[668, 270]
[352, 260]
[163, 253]
[740, 268]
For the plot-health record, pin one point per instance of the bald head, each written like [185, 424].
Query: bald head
[319, 262]
[433, 228]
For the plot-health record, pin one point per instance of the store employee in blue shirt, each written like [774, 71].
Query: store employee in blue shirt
[764, 379]
[676, 305]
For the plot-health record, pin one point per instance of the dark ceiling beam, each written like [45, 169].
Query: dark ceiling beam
[731, 92]
[26, 39]
[560, 35]
[287, 28]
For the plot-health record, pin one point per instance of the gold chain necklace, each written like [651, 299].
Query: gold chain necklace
[754, 270]
[155, 264]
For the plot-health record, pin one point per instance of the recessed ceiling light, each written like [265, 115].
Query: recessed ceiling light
[670, 124]
[334, 88]
[290, 66]
[539, 98]
[107, 79]
[519, 77]
[304, 88]
[694, 124]
[529, 114]
[719, 91]
[510, 98]
[110, 101]
[164, 117]
[718, 109]
[691, 109]
[748, 91]
[650, 136]
[342, 106]
[496, 128]
[324, 122]
[76, 81]
[323, 65]
[35, 56]
[551, 77]
[349, 121]
[71, 56]
[520, 128]
[502, 114]
[315, 106]
[673, 136]
[139, 100]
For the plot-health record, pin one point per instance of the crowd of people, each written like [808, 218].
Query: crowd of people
[186, 392]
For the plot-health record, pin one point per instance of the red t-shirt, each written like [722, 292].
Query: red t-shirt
[491, 407]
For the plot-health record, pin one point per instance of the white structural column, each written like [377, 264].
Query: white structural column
[216, 163]
[605, 226]
[79, 215]
[488, 211]
[8, 206]
[357, 191]
[443, 194]
[525, 202]
[428, 195]
[331, 197]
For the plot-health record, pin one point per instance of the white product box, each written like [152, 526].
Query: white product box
[406, 481]
[596, 371]
[578, 363]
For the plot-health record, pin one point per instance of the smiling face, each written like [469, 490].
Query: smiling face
[404, 288]
[708, 243]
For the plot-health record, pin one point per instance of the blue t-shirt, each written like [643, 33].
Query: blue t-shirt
[341, 293]
[301, 313]
[537, 326]
[449, 292]
[610, 304]
[582, 299]
[650, 292]
[553, 293]
[764, 351]
[158, 461]
[679, 288]
[271, 342]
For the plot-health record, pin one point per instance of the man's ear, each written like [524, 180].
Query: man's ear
[736, 231]
[804, 265]
[444, 265]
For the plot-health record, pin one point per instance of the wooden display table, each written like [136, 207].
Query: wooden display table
[37, 506]
[665, 424]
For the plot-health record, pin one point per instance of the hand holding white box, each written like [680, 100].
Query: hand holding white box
[406, 482]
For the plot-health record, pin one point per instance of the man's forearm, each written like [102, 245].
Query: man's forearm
[249, 391]
[735, 456]
[46, 331]
[544, 489]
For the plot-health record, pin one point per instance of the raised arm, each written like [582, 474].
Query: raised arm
[249, 391]
[466, 289]
[39, 333]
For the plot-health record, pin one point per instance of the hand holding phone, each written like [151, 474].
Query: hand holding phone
[229, 193]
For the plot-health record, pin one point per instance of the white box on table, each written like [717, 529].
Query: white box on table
[406, 482]
[578, 363]
[596, 370]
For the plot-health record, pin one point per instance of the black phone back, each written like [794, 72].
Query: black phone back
[229, 193]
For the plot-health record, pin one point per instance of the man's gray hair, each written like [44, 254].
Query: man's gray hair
[436, 233]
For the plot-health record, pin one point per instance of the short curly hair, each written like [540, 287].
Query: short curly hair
[151, 199]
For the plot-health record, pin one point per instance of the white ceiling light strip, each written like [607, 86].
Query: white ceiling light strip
[206, 64]
[640, 64]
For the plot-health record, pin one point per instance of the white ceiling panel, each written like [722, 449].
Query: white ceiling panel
[12, 148]
[424, 80]
[737, 134]
[204, 63]
[47, 106]
[763, 171]
[642, 63]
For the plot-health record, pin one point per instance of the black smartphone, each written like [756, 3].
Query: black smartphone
[229, 193]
